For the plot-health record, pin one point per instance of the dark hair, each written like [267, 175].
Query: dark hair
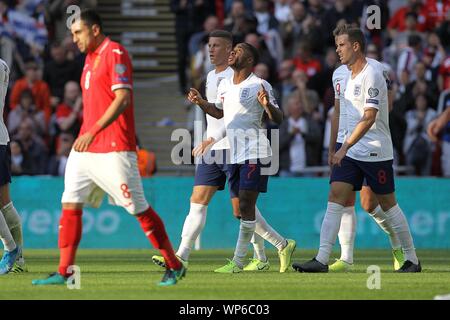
[228, 36]
[56, 44]
[254, 53]
[411, 14]
[91, 17]
[354, 35]
[239, 1]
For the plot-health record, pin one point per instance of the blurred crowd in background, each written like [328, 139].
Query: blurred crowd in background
[43, 108]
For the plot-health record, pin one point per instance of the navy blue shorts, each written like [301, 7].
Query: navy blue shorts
[213, 173]
[247, 176]
[379, 175]
[5, 164]
[338, 146]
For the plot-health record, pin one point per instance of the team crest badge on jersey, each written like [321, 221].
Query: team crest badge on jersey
[357, 91]
[245, 92]
[120, 68]
[373, 92]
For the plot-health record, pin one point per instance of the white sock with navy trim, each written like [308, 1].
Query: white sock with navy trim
[329, 231]
[347, 232]
[5, 235]
[193, 225]
[399, 224]
[246, 231]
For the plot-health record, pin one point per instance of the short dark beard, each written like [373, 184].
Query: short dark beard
[237, 65]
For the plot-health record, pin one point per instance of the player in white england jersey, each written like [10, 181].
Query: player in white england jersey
[10, 222]
[242, 101]
[211, 173]
[369, 201]
[366, 153]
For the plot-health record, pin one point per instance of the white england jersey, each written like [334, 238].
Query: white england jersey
[339, 82]
[368, 90]
[215, 128]
[4, 79]
[243, 117]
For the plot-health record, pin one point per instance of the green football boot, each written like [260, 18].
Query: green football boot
[285, 255]
[257, 265]
[399, 258]
[341, 266]
[230, 267]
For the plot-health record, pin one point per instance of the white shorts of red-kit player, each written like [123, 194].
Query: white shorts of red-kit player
[90, 175]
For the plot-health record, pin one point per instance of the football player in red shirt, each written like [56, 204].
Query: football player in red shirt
[103, 158]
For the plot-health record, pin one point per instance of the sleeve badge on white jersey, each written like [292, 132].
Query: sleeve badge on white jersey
[373, 92]
[357, 90]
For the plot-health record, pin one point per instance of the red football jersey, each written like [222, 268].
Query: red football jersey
[398, 20]
[107, 69]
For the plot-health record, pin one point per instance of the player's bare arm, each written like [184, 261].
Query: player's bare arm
[274, 113]
[210, 108]
[367, 120]
[334, 131]
[118, 105]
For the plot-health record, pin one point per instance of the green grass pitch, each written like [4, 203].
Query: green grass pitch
[130, 274]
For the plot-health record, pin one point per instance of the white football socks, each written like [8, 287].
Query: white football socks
[193, 225]
[258, 247]
[5, 235]
[266, 231]
[329, 231]
[347, 231]
[397, 220]
[380, 217]
[14, 223]
[246, 231]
